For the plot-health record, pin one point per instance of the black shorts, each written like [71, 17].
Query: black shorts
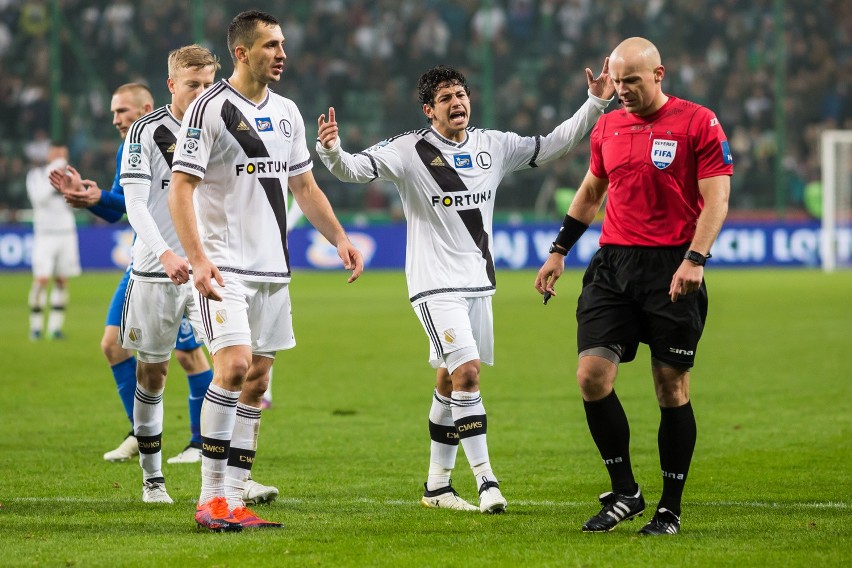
[625, 301]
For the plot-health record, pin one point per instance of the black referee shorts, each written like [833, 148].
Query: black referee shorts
[625, 300]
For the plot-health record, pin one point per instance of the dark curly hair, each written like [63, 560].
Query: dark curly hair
[438, 78]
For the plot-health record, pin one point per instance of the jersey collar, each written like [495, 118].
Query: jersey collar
[168, 108]
[450, 142]
[239, 94]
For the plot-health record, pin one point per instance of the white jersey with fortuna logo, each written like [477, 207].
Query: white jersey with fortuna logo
[448, 192]
[243, 152]
[146, 169]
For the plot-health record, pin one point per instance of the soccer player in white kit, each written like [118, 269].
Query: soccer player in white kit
[56, 254]
[240, 146]
[158, 293]
[447, 176]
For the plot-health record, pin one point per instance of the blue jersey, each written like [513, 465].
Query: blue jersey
[111, 207]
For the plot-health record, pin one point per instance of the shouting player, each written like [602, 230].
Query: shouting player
[447, 176]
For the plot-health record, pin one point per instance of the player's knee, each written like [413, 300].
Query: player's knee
[671, 385]
[183, 358]
[233, 371]
[38, 295]
[193, 362]
[589, 385]
[466, 376]
[594, 380]
[152, 370]
[255, 387]
[113, 351]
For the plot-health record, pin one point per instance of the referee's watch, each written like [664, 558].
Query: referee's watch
[696, 257]
[557, 248]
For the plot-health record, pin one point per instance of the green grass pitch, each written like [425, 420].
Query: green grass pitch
[347, 442]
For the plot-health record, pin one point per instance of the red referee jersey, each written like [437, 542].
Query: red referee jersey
[653, 164]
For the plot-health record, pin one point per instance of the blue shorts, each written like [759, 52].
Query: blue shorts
[185, 338]
[116, 306]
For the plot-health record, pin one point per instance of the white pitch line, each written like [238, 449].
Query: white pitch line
[838, 505]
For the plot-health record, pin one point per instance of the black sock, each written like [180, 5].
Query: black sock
[611, 433]
[676, 439]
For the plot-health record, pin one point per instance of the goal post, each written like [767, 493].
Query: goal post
[836, 199]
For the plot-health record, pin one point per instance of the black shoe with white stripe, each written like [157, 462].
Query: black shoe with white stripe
[616, 508]
[664, 522]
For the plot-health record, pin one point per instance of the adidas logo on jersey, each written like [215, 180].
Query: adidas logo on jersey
[171, 149]
[242, 126]
[437, 162]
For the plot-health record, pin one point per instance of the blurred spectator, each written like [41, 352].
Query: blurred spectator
[431, 38]
[488, 23]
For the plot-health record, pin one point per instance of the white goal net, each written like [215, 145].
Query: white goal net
[836, 199]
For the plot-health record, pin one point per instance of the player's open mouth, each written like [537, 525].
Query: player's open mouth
[456, 116]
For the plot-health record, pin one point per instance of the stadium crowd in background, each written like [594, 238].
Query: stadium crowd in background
[362, 55]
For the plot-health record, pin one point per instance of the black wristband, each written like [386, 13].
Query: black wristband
[696, 257]
[558, 249]
[569, 233]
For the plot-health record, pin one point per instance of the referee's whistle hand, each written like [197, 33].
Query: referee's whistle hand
[686, 280]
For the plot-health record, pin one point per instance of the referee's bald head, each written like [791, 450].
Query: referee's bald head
[640, 52]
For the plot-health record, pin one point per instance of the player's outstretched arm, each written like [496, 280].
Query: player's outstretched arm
[319, 212]
[351, 168]
[569, 133]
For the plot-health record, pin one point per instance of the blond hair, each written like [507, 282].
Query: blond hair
[191, 56]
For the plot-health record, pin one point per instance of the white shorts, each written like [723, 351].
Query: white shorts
[257, 314]
[460, 326]
[56, 254]
[151, 318]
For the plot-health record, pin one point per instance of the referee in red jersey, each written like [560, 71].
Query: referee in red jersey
[664, 166]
